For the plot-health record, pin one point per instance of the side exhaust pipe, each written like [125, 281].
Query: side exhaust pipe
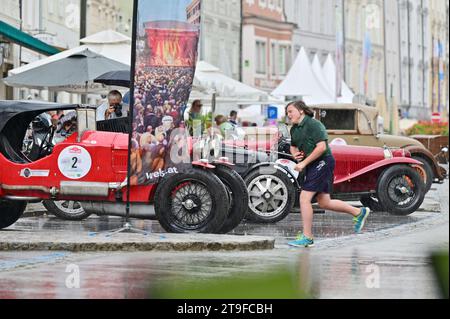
[139, 211]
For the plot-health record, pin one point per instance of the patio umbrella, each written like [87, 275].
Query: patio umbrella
[71, 74]
[115, 78]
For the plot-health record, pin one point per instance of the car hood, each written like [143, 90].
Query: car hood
[398, 141]
[357, 153]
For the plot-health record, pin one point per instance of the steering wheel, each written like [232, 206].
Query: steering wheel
[46, 145]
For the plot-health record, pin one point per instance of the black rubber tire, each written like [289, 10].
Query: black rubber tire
[372, 202]
[10, 212]
[166, 192]
[65, 215]
[239, 196]
[428, 170]
[290, 193]
[384, 184]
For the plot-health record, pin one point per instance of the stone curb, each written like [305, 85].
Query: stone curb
[20, 241]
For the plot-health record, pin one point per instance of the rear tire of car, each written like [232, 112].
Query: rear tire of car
[401, 190]
[238, 195]
[428, 170]
[184, 197]
[10, 212]
[285, 195]
[372, 202]
[73, 212]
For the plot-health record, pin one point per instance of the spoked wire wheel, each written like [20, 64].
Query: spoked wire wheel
[401, 190]
[191, 205]
[192, 202]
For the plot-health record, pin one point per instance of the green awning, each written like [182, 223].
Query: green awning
[21, 38]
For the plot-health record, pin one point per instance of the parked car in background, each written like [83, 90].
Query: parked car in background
[358, 125]
[436, 144]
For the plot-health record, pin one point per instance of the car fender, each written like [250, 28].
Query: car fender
[276, 166]
[380, 164]
[426, 154]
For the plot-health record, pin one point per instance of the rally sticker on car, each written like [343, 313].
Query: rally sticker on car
[74, 162]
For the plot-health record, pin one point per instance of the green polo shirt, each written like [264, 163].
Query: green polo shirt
[306, 135]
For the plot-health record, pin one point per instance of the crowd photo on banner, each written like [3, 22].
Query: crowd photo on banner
[166, 55]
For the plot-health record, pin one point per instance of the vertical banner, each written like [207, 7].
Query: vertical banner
[166, 39]
[441, 76]
[366, 55]
[435, 76]
[340, 50]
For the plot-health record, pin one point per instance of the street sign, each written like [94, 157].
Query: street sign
[436, 118]
[272, 113]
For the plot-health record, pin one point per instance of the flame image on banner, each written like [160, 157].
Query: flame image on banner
[166, 39]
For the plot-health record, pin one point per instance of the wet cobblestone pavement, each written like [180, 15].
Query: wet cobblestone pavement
[399, 247]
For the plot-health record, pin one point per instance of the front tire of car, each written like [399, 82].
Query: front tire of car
[401, 190]
[195, 201]
[66, 210]
[271, 195]
[10, 212]
[238, 197]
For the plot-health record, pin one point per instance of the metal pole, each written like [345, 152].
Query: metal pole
[385, 52]
[83, 18]
[409, 56]
[21, 28]
[423, 54]
[241, 66]
[400, 52]
[344, 39]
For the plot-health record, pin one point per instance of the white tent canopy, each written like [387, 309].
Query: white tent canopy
[110, 44]
[329, 73]
[212, 79]
[318, 72]
[106, 37]
[302, 82]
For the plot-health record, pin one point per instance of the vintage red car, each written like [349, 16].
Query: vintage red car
[385, 179]
[91, 167]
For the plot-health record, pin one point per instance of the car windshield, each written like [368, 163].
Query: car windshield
[339, 119]
[47, 130]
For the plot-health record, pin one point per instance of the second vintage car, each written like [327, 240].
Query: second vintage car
[358, 125]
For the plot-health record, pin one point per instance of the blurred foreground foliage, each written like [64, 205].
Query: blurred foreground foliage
[441, 267]
[279, 284]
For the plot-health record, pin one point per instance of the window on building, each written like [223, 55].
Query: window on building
[284, 59]
[260, 57]
[273, 59]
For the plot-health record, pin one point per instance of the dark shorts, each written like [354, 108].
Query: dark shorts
[319, 176]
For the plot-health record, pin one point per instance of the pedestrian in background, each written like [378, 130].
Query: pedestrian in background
[233, 118]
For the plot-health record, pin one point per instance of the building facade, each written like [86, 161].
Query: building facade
[439, 58]
[266, 43]
[392, 52]
[316, 26]
[9, 52]
[364, 27]
[220, 39]
[415, 46]
[115, 15]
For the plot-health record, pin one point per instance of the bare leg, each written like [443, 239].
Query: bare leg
[326, 202]
[307, 212]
